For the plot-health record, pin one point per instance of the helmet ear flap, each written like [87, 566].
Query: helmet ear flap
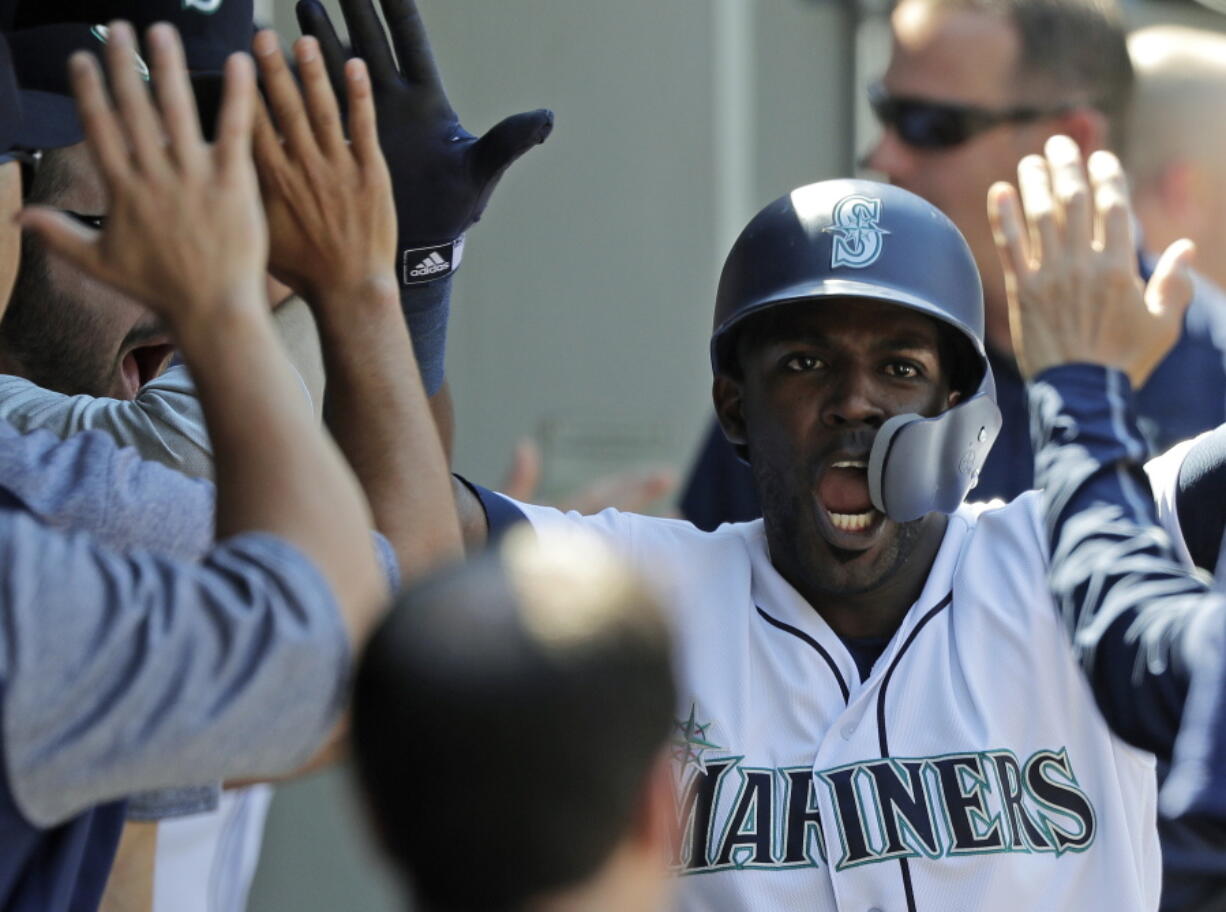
[920, 465]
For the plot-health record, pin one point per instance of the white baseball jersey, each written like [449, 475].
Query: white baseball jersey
[206, 862]
[971, 771]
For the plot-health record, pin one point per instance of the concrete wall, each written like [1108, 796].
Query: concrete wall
[584, 302]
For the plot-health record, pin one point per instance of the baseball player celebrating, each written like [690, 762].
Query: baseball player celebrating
[879, 706]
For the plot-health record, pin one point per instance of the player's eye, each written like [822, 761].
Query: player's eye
[802, 363]
[905, 370]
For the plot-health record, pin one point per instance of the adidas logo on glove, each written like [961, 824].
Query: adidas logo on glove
[425, 264]
[430, 265]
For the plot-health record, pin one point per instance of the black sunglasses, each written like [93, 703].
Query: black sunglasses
[926, 124]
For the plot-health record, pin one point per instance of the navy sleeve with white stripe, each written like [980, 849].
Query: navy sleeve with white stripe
[1136, 616]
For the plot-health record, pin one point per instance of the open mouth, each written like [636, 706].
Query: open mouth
[142, 363]
[842, 491]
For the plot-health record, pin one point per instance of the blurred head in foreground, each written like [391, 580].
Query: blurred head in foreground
[510, 721]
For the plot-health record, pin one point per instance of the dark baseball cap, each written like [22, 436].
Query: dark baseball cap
[10, 105]
[30, 118]
[47, 32]
[212, 30]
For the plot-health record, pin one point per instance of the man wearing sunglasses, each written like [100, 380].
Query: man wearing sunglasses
[970, 89]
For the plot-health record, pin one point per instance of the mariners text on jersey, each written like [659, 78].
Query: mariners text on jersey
[957, 804]
[971, 770]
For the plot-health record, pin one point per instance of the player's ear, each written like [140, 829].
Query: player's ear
[954, 397]
[727, 395]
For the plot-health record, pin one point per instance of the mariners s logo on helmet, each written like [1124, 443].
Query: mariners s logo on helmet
[103, 34]
[857, 234]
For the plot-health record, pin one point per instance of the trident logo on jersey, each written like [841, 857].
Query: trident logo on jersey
[204, 6]
[857, 234]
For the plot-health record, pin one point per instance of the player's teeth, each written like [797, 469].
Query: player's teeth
[851, 522]
[850, 464]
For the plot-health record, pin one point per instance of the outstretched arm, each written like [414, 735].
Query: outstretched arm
[329, 204]
[1086, 332]
[442, 178]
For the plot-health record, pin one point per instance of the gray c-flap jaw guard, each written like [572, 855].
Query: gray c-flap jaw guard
[919, 465]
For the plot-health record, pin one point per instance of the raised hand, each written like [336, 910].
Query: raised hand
[442, 175]
[328, 201]
[184, 230]
[334, 234]
[1070, 265]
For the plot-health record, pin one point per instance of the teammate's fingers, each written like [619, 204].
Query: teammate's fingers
[321, 107]
[266, 145]
[1114, 231]
[105, 137]
[236, 117]
[281, 92]
[63, 236]
[631, 492]
[1169, 291]
[524, 473]
[314, 20]
[140, 120]
[1034, 183]
[1071, 190]
[369, 41]
[1008, 232]
[363, 131]
[411, 42]
[175, 97]
[1166, 298]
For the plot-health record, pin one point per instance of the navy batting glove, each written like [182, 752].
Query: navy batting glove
[442, 175]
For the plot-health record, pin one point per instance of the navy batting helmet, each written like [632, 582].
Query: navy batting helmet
[857, 239]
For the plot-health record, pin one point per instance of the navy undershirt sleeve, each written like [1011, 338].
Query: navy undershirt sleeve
[427, 309]
[1134, 614]
[500, 512]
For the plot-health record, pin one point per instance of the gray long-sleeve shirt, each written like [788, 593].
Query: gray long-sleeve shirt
[141, 509]
[120, 673]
